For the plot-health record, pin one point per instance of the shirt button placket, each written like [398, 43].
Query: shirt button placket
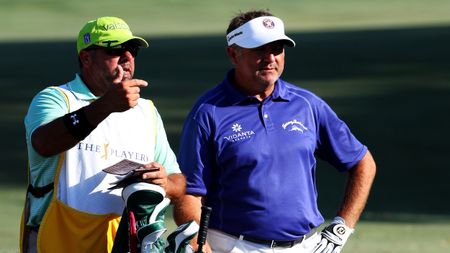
[267, 121]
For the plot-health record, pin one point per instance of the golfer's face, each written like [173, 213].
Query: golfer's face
[263, 64]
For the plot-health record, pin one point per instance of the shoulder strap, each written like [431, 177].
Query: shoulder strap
[39, 192]
[62, 90]
[155, 120]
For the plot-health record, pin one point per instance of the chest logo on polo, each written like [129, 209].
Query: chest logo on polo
[294, 125]
[238, 133]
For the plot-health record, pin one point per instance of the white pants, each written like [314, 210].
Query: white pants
[223, 243]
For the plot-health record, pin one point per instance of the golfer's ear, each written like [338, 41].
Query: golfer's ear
[232, 53]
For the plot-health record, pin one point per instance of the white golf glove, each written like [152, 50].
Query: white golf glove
[334, 236]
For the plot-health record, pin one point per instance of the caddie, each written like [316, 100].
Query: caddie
[248, 150]
[76, 129]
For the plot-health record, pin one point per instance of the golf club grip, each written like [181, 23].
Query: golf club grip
[203, 230]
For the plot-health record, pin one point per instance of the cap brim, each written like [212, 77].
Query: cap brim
[119, 41]
[141, 42]
[289, 42]
[260, 42]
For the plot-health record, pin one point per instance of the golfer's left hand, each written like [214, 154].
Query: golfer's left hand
[334, 236]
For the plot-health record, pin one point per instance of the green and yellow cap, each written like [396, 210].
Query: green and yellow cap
[106, 32]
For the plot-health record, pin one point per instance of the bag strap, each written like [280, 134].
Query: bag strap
[40, 192]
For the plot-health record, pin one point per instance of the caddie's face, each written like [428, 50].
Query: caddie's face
[102, 65]
[262, 65]
[111, 58]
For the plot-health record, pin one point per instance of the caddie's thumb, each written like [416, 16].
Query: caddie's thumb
[119, 75]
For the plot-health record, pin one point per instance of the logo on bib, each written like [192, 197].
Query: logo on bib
[105, 151]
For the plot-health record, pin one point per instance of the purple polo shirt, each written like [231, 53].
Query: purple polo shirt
[255, 161]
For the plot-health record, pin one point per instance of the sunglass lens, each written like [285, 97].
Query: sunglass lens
[133, 51]
[114, 52]
[121, 51]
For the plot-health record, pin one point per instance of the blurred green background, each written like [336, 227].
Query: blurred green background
[384, 66]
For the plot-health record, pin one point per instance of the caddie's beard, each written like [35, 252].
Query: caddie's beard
[127, 73]
[127, 76]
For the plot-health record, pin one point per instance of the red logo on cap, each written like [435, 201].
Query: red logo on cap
[268, 23]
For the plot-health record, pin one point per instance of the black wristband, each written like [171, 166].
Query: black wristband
[77, 124]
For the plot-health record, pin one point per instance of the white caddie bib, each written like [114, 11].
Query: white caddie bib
[127, 135]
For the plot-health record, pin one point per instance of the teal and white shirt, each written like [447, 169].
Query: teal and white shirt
[137, 134]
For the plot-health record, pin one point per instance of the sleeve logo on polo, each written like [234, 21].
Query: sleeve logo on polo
[294, 125]
[239, 134]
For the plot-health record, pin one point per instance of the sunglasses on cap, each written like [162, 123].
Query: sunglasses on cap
[117, 51]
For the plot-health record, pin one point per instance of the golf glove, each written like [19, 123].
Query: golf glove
[334, 236]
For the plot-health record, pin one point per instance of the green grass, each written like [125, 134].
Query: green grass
[11, 210]
[56, 19]
[382, 65]
[403, 234]
[392, 237]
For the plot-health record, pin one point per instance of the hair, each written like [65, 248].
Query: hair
[244, 17]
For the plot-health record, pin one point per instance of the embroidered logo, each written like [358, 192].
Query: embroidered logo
[234, 35]
[105, 151]
[115, 26]
[236, 128]
[87, 38]
[268, 23]
[74, 118]
[294, 125]
[239, 134]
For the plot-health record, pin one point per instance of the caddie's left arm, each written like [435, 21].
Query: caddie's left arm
[359, 183]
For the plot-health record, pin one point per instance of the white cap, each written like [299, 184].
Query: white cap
[259, 31]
